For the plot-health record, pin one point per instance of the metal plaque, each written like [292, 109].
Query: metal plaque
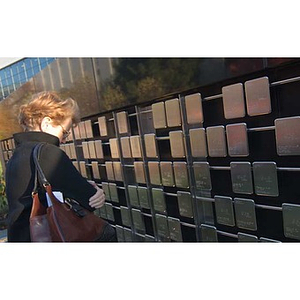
[122, 121]
[149, 238]
[82, 169]
[68, 150]
[181, 174]
[216, 141]
[120, 233]
[173, 113]
[125, 146]
[105, 189]
[113, 191]
[85, 150]
[258, 96]
[224, 210]
[72, 151]
[88, 129]
[135, 142]
[133, 196]
[287, 136]
[109, 170]
[185, 204]
[162, 226]
[99, 149]
[243, 237]
[92, 150]
[166, 171]
[265, 179]
[125, 215]
[198, 142]
[175, 229]
[150, 145]
[193, 105]
[137, 219]
[143, 197]
[291, 220]
[202, 175]
[118, 171]
[128, 235]
[267, 240]
[208, 233]
[114, 148]
[245, 213]
[159, 115]
[82, 131]
[233, 101]
[102, 126]
[75, 164]
[76, 132]
[154, 172]
[95, 168]
[237, 139]
[241, 177]
[109, 212]
[139, 172]
[177, 144]
[159, 201]
[102, 212]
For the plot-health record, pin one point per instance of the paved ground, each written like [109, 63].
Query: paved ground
[3, 236]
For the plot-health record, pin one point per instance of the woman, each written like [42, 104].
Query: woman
[46, 118]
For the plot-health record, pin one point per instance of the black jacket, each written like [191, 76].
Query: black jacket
[58, 169]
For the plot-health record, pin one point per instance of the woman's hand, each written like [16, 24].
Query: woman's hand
[97, 200]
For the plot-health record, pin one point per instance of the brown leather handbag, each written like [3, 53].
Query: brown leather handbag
[60, 222]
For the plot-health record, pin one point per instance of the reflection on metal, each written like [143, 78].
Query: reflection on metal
[99, 149]
[241, 177]
[95, 169]
[173, 113]
[120, 233]
[243, 237]
[114, 148]
[102, 126]
[118, 171]
[237, 140]
[88, 128]
[75, 164]
[245, 213]
[202, 175]
[185, 204]
[233, 101]
[143, 197]
[109, 170]
[85, 150]
[133, 196]
[216, 141]
[125, 215]
[122, 121]
[159, 201]
[135, 142]
[266, 240]
[291, 220]
[105, 189]
[198, 142]
[193, 104]
[102, 211]
[109, 212]
[177, 144]
[208, 233]
[139, 172]
[150, 144]
[159, 116]
[128, 235]
[166, 171]
[224, 210]
[92, 151]
[82, 169]
[125, 146]
[113, 192]
[162, 226]
[154, 172]
[175, 229]
[181, 174]
[258, 96]
[138, 220]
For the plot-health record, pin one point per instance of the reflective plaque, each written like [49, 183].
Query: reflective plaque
[138, 220]
[166, 171]
[224, 210]
[193, 105]
[162, 226]
[143, 197]
[208, 233]
[128, 235]
[75, 164]
[125, 146]
[202, 175]
[122, 121]
[185, 204]
[159, 115]
[135, 142]
[198, 142]
[237, 139]
[133, 196]
[241, 177]
[72, 151]
[105, 189]
[102, 126]
[82, 131]
[216, 141]
[109, 170]
[173, 113]
[95, 168]
[206, 211]
[102, 212]
[76, 132]
[109, 212]
[265, 179]
[177, 144]
[82, 169]
[92, 150]
[118, 171]
[113, 191]
[258, 96]
[267, 240]
[139, 172]
[233, 101]
[120, 233]
[99, 149]
[125, 215]
[181, 174]
[150, 145]
[114, 148]
[243, 237]
[85, 150]
[88, 128]
[154, 172]
[245, 214]
[175, 229]
[287, 136]
[159, 201]
[291, 220]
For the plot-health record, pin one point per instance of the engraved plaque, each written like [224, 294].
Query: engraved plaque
[139, 172]
[193, 105]
[72, 151]
[216, 141]
[287, 136]
[143, 197]
[95, 168]
[88, 128]
[265, 178]
[102, 126]
[76, 132]
[243, 237]
[102, 211]
[175, 229]
[185, 204]
[68, 150]
[208, 233]
[167, 176]
[245, 214]
[241, 177]
[109, 170]
[122, 122]
[159, 201]
[125, 146]
[75, 164]
[133, 195]
[258, 96]
[233, 101]
[181, 174]
[114, 148]
[118, 171]
[224, 210]
[120, 233]
[85, 150]
[128, 235]
[82, 132]
[237, 139]
[150, 145]
[202, 175]
[138, 220]
[154, 172]
[159, 115]
[125, 215]
[82, 169]
[162, 226]
[92, 151]
[267, 240]
[105, 189]
[109, 212]
[99, 149]
[291, 220]
[198, 142]
[173, 113]
[113, 192]
[177, 144]
[135, 142]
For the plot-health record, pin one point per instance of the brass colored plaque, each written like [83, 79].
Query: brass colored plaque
[181, 174]
[128, 235]
[154, 172]
[216, 141]
[173, 113]
[92, 150]
[208, 233]
[114, 148]
[159, 115]
[125, 215]
[177, 144]
[224, 210]
[162, 226]
[135, 142]
[125, 146]
[82, 132]
[118, 171]
[241, 177]
[109, 212]
[291, 220]
[245, 214]
[68, 150]
[233, 101]
[265, 179]
[72, 151]
[237, 139]
[287, 136]
[202, 175]
[185, 204]
[120, 233]
[133, 195]
[105, 189]
[198, 142]
[167, 176]
[139, 172]
[82, 169]
[88, 129]
[109, 170]
[193, 105]
[243, 237]
[113, 191]
[143, 197]
[137, 219]
[76, 133]
[159, 201]
[75, 164]
[175, 229]
[85, 150]
[95, 168]
[102, 126]
[258, 96]
[122, 120]
[99, 149]
[150, 145]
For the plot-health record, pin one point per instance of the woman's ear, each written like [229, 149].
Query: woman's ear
[46, 121]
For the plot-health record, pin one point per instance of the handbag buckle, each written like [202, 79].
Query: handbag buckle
[77, 209]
